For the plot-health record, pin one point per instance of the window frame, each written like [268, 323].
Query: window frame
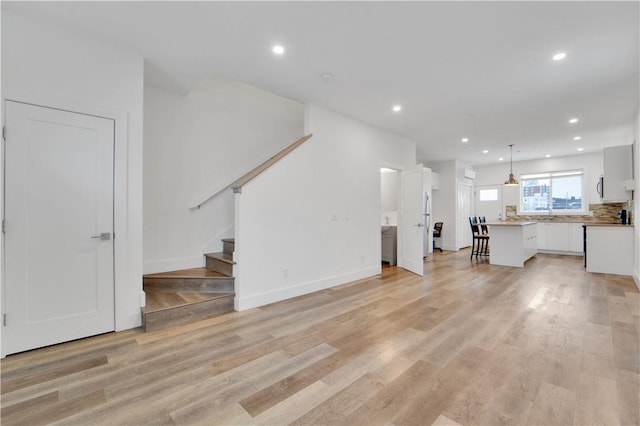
[551, 175]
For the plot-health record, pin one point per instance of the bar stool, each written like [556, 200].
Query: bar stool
[480, 242]
[484, 229]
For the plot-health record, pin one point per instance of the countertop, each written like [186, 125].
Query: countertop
[617, 225]
[505, 223]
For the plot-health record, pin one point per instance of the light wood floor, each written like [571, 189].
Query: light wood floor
[469, 343]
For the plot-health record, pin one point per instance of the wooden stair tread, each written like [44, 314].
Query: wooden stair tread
[221, 256]
[159, 301]
[188, 273]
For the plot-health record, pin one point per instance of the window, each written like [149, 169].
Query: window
[557, 192]
[488, 194]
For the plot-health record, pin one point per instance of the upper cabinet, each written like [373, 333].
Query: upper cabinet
[435, 180]
[617, 169]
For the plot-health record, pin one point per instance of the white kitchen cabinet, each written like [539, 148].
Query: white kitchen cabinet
[558, 237]
[435, 180]
[530, 237]
[542, 239]
[610, 249]
[617, 169]
[389, 244]
[512, 243]
[575, 238]
[561, 237]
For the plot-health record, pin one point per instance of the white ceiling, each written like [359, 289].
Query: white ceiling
[481, 70]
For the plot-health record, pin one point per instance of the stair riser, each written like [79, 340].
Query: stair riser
[189, 285]
[220, 266]
[183, 314]
[228, 247]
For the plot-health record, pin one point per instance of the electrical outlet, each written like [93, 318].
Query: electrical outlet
[285, 273]
[334, 217]
[362, 258]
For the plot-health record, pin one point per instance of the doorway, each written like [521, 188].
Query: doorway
[389, 190]
[488, 202]
[59, 251]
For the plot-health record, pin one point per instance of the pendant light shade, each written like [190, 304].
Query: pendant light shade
[512, 180]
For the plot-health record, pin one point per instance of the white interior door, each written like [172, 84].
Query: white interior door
[411, 220]
[489, 202]
[464, 211]
[59, 226]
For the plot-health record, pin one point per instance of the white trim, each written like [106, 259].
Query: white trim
[636, 279]
[551, 176]
[123, 220]
[261, 299]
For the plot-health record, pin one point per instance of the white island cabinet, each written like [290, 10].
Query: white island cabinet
[512, 243]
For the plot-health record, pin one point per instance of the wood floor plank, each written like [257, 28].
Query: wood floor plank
[628, 394]
[626, 346]
[467, 343]
[342, 403]
[53, 373]
[597, 401]
[553, 405]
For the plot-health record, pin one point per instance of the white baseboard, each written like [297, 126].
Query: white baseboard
[636, 278]
[261, 299]
[130, 320]
[166, 265]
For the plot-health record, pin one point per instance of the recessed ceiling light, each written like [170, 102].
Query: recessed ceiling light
[577, 138]
[465, 140]
[500, 159]
[581, 149]
[559, 56]
[397, 108]
[327, 76]
[278, 50]
[486, 151]
[548, 155]
[573, 121]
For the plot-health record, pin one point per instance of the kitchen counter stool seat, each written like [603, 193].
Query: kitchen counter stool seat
[480, 242]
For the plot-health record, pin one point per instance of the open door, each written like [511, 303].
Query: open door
[411, 220]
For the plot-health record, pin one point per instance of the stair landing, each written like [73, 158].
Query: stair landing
[187, 273]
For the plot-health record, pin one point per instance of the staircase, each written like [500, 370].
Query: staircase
[187, 295]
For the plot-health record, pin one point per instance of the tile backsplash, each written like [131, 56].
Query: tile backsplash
[606, 213]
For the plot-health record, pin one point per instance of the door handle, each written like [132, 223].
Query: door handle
[105, 236]
[419, 225]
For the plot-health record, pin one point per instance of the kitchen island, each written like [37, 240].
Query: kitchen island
[512, 243]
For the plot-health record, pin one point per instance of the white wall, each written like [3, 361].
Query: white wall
[199, 143]
[312, 220]
[390, 188]
[45, 66]
[496, 174]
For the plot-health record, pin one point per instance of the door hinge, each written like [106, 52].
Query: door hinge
[4, 320]
[3, 226]
[4, 133]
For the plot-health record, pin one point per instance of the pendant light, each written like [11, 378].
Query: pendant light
[512, 180]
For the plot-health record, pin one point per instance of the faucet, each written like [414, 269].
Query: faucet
[550, 218]
[386, 220]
